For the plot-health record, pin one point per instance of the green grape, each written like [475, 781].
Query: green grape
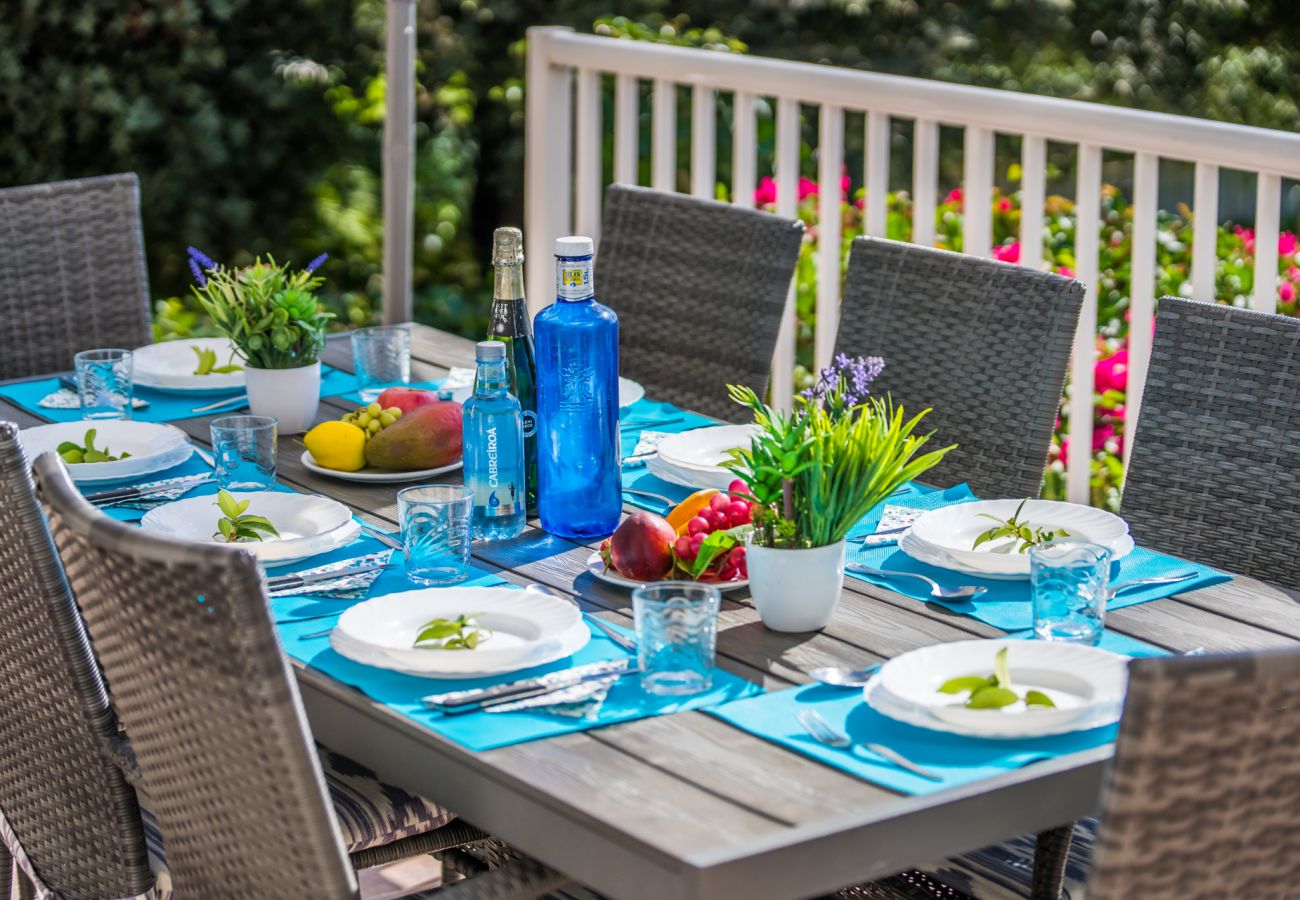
[363, 420]
[373, 427]
[374, 409]
[385, 420]
[394, 412]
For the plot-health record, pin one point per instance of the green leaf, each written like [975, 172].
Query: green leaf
[228, 504]
[75, 455]
[438, 629]
[713, 546]
[226, 527]
[243, 505]
[66, 446]
[969, 683]
[1001, 669]
[90, 438]
[1038, 698]
[95, 456]
[991, 698]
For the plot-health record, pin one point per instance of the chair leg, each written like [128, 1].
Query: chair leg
[8, 871]
[1051, 852]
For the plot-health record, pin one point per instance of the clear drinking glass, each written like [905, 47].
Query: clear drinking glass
[1070, 580]
[244, 449]
[435, 532]
[382, 358]
[105, 383]
[676, 634]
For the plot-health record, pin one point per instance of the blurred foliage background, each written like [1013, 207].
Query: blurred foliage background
[256, 127]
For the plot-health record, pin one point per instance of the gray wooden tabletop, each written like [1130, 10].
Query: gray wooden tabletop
[686, 805]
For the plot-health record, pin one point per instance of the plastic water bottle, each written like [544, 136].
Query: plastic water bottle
[494, 449]
[580, 494]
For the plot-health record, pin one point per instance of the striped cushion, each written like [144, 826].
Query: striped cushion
[1006, 871]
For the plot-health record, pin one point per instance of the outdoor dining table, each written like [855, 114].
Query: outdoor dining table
[686, 805]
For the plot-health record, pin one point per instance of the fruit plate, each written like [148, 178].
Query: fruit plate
[376, 476]
[169, 367]
[530, 628]
[153, 447]
[596, 566]
[1086, 683]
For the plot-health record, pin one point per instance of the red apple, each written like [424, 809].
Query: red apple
[641, 548]
[406, 399]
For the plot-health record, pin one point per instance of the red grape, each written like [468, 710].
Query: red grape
[698, 525]
[739, 513]
[720, 502]
[682, 546]
[739, 487]
[736, 556]
[696, 540]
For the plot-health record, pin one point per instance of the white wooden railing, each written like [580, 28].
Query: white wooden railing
[563, 173]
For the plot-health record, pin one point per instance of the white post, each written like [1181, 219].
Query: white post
[548, 164]
[1087, 251]
[588, 168]
[977, 189]
[875, 212]
[399, 161]
[626, 100]
[663, 136]
[744, 150]
[1205, 231]
[1142, 289]
[704, 147]
[925, 180]
[1267, 212]
[1033, 187]
[787, 204]
[830, 166]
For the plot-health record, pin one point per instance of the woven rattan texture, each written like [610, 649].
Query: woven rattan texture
[72, 273]
[196, 674]
[1205, 783]
[1213, 471]
[68, 804]
[699, 288]
[984, 344]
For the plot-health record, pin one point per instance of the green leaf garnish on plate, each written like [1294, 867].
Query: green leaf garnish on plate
[460, 633]
[994, 691]
[87, 452]
[207, 363]
[1023, 534]
[235, 526]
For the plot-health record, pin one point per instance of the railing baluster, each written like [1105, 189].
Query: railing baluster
[1142, 289]
[1268, 192]
[830, 166]
[744, 150]
[977, 189]
[1205, 231]
[876, 208]
[787, 185]
[925, 180]
[588, 170]
[1033, 188]
[548, 164]
[1086, 252]
[704, 148]
[626, 137]
[663, 156]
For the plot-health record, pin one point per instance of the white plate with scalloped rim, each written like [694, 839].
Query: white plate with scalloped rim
[1086, 683]
[920, 551]
[169, 366]
[153, 447]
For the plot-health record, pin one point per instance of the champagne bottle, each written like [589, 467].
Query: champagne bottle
[512, 326]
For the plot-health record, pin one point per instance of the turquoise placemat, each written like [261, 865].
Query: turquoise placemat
[658, 417]
[192, 466]
[1007, 604]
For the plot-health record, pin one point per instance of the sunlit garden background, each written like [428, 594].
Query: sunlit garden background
[256, 128]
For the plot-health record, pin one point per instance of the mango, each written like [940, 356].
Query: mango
[426, 437]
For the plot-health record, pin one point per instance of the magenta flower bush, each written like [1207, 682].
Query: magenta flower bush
[1234, 284]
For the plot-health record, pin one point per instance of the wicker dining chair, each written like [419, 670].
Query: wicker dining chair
[216, 729]
[699, 288]
[983, 344]
[1212, 471]
[72, 272]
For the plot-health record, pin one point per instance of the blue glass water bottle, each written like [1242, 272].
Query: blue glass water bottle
[494, 449]
[580, 493]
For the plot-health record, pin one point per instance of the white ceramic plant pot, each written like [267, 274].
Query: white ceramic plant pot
[290, 395]
[796, 590]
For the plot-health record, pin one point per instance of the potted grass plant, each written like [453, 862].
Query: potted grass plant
[815, 472]
[270, 312]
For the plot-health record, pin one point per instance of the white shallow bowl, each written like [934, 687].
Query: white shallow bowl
[596, 566]
[920, 551]
[376, 476]
[705, 449]
[1083, 681]
[308, 524]
[169, 366]
[529, 628]
[152, 447]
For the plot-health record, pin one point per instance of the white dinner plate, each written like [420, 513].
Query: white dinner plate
[923, 552]
[596, 566]
[530, 628]
[169, 366]
[308, 524]
[1086, 683]
[152, 447]
[376, 476]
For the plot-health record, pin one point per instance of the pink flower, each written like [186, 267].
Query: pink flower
[1100, 435]
[1066, 271]
[846, 185]
[1286, 292]
[1004, 204]
[1247, 237]
[1111, 373]
[765, 194]
[954, 196]
[1286, 243]
[807, 188]
[860, 202]
[1065, 450]
[1293, 273]
[1007, 252]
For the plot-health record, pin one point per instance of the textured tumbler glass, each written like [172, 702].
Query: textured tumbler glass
[244, 450]
[1070, 581]
[381, 357]
[676, 634]
[435, 532]
[105, 383]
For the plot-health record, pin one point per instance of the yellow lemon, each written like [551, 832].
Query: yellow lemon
[337, 445]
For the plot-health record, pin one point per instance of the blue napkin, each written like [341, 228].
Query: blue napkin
[658, 417]
[163, 407]
[1007, 604]
[485, 731]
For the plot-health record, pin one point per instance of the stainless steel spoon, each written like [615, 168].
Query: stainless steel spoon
[840, 677]
[821, 731]
[938, 591]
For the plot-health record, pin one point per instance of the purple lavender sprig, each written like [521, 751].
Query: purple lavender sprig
[198, 273]
[316, 263]
[849, 377]
[202, 258]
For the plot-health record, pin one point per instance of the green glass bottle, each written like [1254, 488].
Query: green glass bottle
[511, 324]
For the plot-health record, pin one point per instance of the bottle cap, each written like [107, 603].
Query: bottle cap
[574, 245]
[507, 246]
[489, 351]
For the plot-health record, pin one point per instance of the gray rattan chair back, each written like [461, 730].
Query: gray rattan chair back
[1212, 475]
[195, 672]
[1205, 782]
[699, 287]
[72, 273]
[984, 344]
[68, 804]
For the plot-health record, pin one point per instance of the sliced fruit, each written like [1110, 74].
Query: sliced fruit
[689, 508]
